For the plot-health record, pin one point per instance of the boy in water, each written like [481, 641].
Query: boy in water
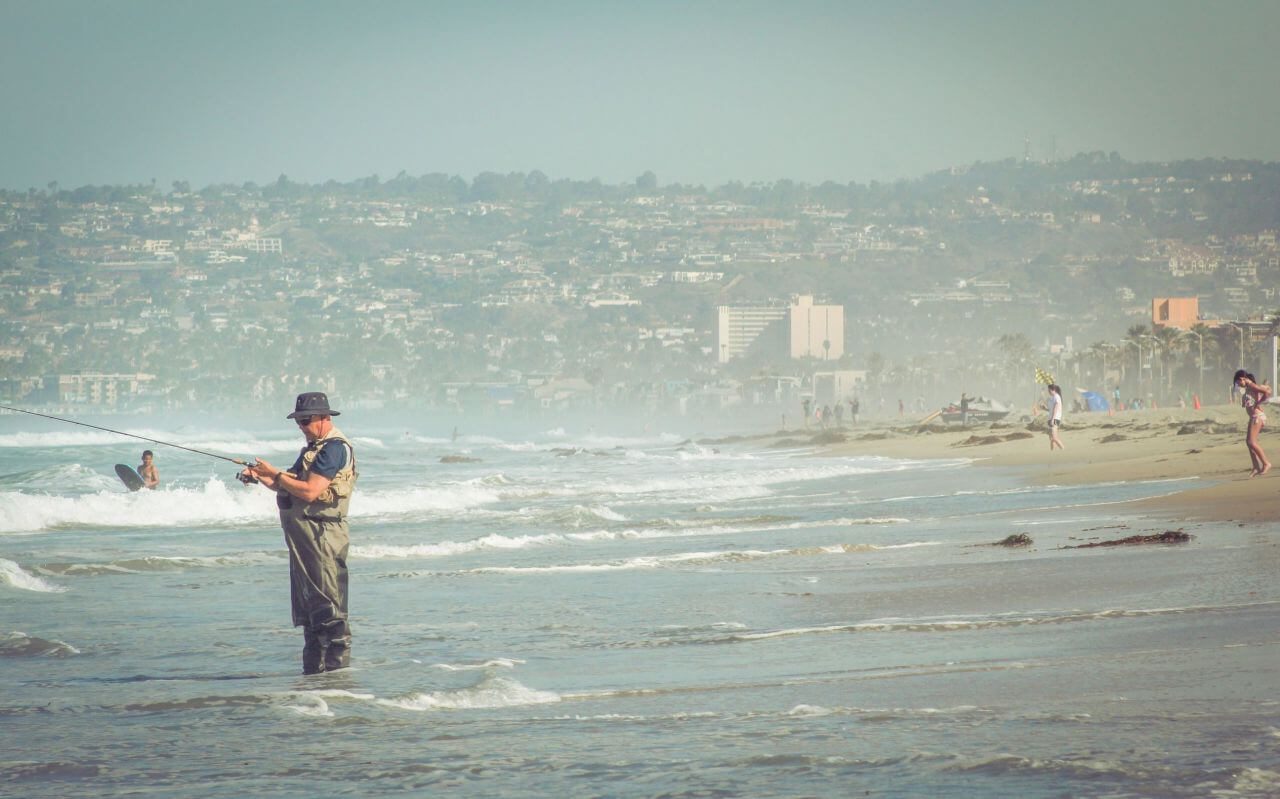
[147, 470]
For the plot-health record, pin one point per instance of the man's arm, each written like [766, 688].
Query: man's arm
[307, 490]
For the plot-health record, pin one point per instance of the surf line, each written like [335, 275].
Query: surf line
[130, 435]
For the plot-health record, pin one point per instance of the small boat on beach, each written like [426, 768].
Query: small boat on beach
[980, 409]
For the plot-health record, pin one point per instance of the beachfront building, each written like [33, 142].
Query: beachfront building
[738, 328]
[799, 330]
[92, 388]
[1180, 312]
[817, 331]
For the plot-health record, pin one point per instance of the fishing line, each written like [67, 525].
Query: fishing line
[130, 435]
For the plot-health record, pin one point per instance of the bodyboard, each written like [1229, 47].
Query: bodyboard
[129, 477]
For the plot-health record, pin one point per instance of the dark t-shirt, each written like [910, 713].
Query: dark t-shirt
[330, 460]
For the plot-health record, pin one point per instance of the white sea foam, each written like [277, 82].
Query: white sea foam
[687, 559]
[496, 663]
[442, 498]
[161, 563]
[214, 503]
[602, 496]
[492, 692]
[967, 623]
[14, 575]
[810, 710]
[732, 483]
[580, 515]
[307, 705]
[594, 441]
[500, 542]
[519, 446]
[446, 548]
[65, 474]
[19, 644]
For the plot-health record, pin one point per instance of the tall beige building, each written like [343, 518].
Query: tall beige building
[800, 330]
[817, 331]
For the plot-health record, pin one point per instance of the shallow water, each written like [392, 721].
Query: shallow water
[633, 615]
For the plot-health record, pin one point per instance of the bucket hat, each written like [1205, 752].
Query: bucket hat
[312, 403]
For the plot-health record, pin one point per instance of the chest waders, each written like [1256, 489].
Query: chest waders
[318, 539]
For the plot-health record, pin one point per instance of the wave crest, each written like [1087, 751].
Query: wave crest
[17, 644]
[14, 575]
[492, 692]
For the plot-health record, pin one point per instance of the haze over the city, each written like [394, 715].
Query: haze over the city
[709, 92]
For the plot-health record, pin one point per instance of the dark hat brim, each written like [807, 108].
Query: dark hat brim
[296, 414]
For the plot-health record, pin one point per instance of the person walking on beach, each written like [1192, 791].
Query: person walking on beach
[313, 497]
[1254, 396]
[1054, 407]
[147, 470]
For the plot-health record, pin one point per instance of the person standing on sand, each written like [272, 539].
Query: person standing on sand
[1254, 396]
[1054, 407]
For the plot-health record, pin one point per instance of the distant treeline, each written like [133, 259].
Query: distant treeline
[1235, 205]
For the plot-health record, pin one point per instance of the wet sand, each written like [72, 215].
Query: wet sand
[1205, 444]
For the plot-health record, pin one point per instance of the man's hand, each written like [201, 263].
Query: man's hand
[260, 472]
[263, 470]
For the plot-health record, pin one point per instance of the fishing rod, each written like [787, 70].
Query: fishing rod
[130, 435]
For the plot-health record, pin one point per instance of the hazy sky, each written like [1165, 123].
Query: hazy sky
[105, 91]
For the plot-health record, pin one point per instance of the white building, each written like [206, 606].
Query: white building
[808, 330]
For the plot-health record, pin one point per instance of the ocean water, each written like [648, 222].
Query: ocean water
[574, 612]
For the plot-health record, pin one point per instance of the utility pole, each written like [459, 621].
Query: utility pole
[1241, 331]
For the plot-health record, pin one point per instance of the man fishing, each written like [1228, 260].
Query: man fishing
[313, 497]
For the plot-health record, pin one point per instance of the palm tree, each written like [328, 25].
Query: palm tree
[1169, 340]
[1202, 333]
[1273, 328]
[1224, 339]
[1017, 352]
[1103, 350]
[1136, 332]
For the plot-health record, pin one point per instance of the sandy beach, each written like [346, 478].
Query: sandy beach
[1177, 443]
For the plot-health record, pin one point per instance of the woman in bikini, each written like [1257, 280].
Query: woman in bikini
[1254, 397]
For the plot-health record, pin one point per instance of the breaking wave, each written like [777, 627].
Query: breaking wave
[14, 575]
[18, 644]
[697, 559]
[492, 692]
[214, 503]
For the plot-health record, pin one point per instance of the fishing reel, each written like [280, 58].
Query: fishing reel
[247, 479]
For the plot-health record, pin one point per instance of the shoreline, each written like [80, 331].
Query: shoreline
[1157, 444]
